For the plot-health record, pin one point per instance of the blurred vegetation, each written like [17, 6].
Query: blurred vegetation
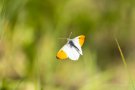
[29, 40]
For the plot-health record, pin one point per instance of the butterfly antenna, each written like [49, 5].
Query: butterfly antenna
[70, 35]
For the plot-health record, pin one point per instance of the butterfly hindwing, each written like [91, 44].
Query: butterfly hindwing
[73, 54]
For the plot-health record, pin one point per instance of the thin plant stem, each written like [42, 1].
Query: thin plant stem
[125, 64]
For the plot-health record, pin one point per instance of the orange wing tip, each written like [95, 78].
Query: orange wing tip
[81, 39]
[61, 55]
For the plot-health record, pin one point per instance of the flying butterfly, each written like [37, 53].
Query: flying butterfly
[72, 49]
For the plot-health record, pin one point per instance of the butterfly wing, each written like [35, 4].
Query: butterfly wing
[62, 53]
[73, 54]
[67, 51]
[78, 42]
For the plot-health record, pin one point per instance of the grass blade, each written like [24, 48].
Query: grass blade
[125, 64]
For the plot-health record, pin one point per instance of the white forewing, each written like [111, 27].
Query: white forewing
[76, 42]
[72, 53]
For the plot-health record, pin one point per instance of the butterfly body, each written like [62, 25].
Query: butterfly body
[72, 49]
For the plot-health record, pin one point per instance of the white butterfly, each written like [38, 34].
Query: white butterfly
[72, 49]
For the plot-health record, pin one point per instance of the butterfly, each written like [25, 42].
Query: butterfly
[72, 49]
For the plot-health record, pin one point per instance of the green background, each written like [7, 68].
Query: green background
[29, 41]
